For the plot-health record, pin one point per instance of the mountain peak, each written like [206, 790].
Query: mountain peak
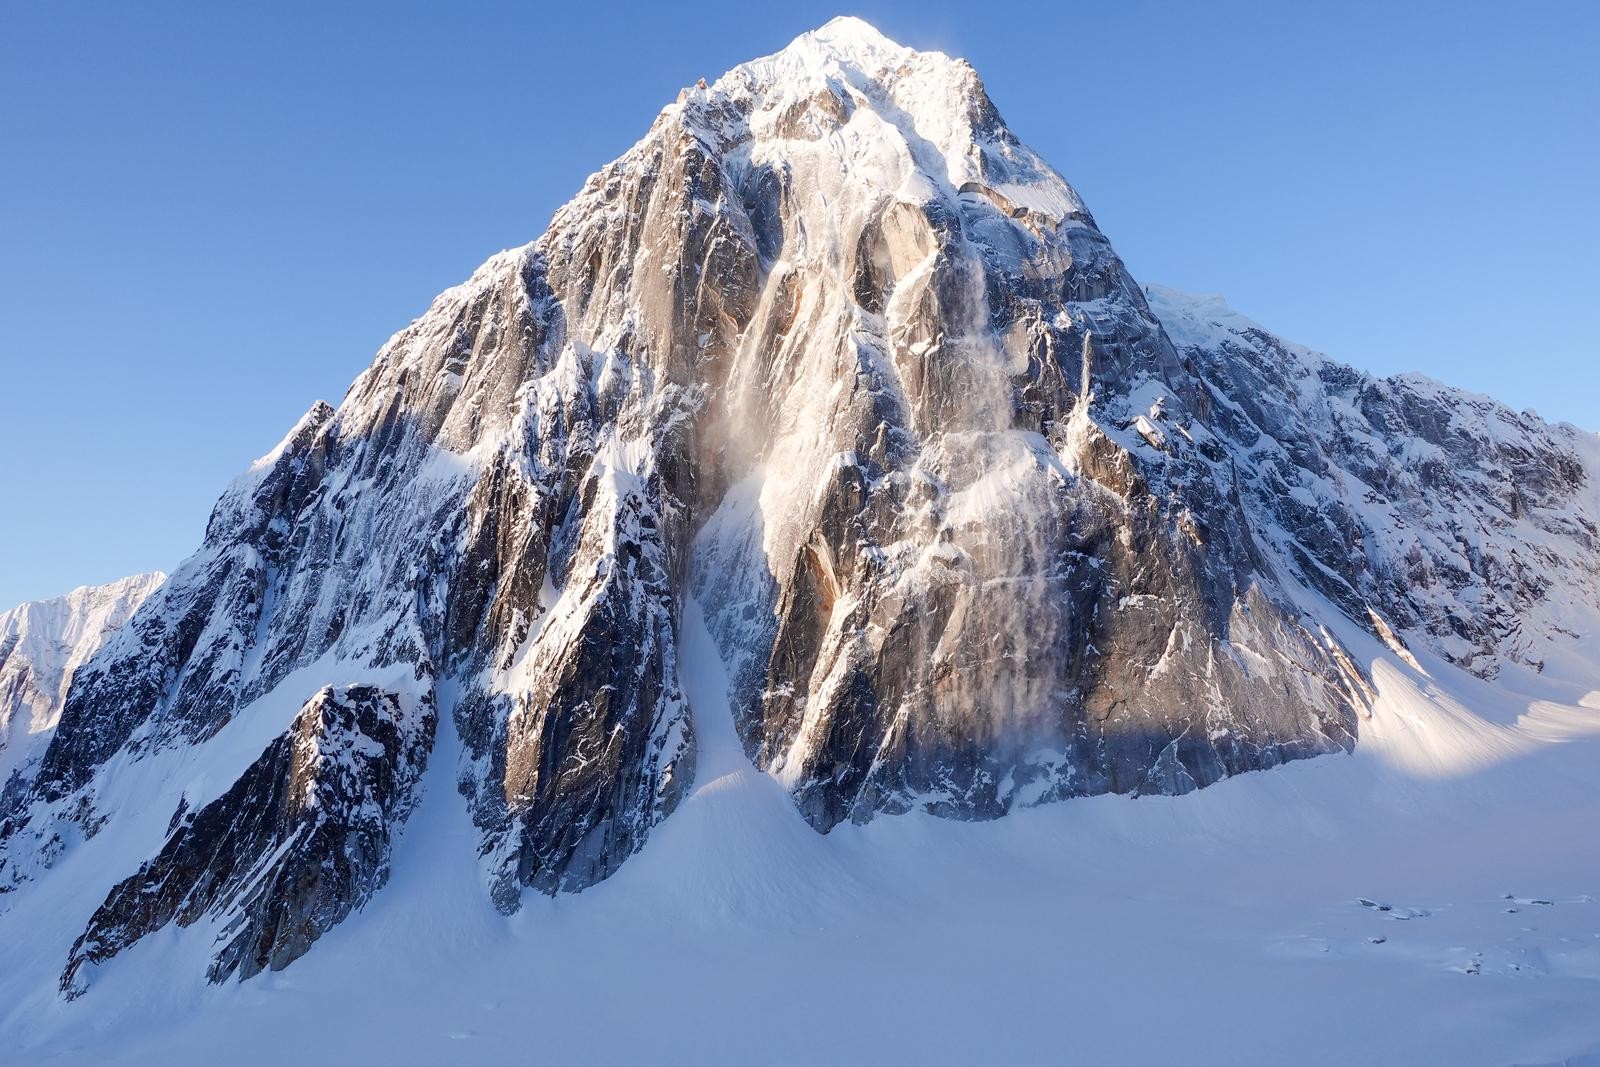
[852, 32]
[852, 40]
[856, 109]
[850, 52]
[851, 27]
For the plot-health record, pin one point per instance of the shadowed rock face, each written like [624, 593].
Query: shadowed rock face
[831, 350]
[42, 645]
[297, 843]
[1425, 511]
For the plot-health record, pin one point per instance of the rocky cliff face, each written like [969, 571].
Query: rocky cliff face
[1437, 516]
[831, 350]
[296, 844]
[42, 645]
[943, 574]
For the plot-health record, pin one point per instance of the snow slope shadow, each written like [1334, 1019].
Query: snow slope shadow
[737, 848]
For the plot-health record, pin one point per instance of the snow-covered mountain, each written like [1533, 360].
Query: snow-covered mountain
[1437, 514]
[973, 522]
[42, 645]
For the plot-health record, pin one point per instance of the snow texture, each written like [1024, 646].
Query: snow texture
[42, 645]
[1230, 920]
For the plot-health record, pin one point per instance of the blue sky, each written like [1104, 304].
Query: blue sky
[213, 215]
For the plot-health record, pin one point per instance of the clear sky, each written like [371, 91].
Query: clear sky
[212, 215]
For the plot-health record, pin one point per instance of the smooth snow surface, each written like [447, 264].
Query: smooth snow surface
[1227, 926]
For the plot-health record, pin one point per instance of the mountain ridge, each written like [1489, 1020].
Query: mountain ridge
[833, 354]
[42, 645]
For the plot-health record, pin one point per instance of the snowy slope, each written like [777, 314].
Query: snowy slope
[42, 645]
[1441, 516]
[1228, 923]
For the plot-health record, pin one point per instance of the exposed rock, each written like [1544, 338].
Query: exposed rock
[1467, 527]
[297, 843]
[42, 645]
[948, 579]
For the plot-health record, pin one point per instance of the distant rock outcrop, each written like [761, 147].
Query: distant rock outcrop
[42, 645]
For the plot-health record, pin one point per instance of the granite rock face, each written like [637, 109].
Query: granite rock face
[945, 573]
[296, 844]
[831, 351]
